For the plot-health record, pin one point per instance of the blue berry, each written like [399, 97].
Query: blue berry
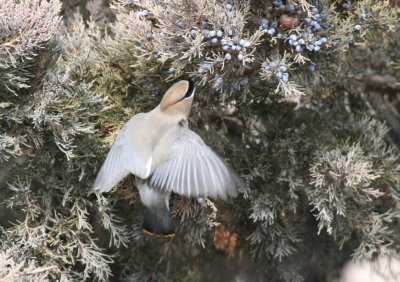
[314, 10]
[323, 39]
[282, 68]
[278, 75]
[171, 70]
[317, 26]
[223, 42]
[245, 43]
[311, 68]
[279, 36]
[240, 57]
[308, 20]
[299, 49]
[295, 43]
[143, 13]
[357, 27]
[293, 37]
[158, 53]
[244, 81]
[291, 7]
[220, 33]
[317, 48]
[228, 56]
[346, 5]
[214, 40]
[225, 47]
[291, 41]
[318, 43]
[301, 41]
[363, 14]
[271, 31]
[193, 32]
[230, 33]
[285, 78]
[229, 7]
[264, 23]
[212, 33]
[234, 47]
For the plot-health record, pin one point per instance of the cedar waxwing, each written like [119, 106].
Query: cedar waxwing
[164, 155]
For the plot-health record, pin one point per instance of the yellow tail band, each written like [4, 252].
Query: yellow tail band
[172, 235]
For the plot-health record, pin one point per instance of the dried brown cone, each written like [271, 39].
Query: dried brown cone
[225, 240]
[289, 21]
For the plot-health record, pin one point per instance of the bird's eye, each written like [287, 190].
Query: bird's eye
[183, 122]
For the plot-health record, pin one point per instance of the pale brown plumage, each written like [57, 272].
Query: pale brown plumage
[165, 155]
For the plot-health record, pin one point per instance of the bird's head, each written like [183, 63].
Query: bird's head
[179, 98]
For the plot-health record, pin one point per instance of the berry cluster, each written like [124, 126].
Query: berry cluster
[314, 25]
[226, 40]
[307, 42]
[278, 4]
[279, 69]
[270, 30]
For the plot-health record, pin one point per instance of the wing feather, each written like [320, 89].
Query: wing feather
[188, 184]
[192, 169]
[122, 159]
[195, 181]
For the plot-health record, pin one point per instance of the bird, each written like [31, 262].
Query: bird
[164, 155]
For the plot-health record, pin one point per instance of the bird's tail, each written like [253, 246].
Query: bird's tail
[158, 222]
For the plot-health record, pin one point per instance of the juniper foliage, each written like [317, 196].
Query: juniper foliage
[300, 97]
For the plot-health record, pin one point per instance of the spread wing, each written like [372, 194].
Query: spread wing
[192, 169]
[123, 158]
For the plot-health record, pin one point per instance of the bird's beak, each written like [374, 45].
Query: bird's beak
[191, 89]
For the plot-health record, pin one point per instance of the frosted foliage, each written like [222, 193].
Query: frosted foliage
[338, 174]
[11, 270]
[27, 27]
[177, 32]
[54, 232]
